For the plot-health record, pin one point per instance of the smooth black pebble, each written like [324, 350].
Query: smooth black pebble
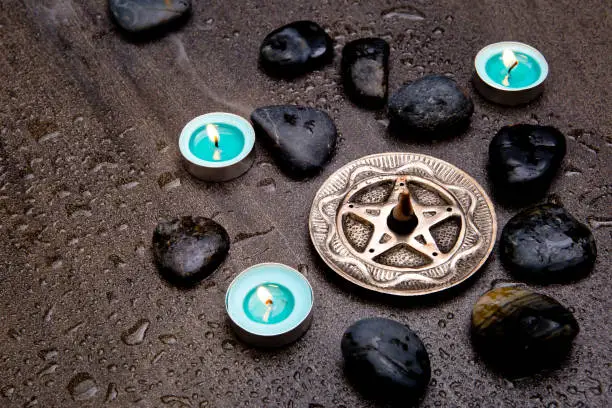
[365, 71]
[546, 244]
[523, 159]
[386, 360]
[519, 331]
[144, 15]
[433, 106]
[188, 249]
[301, 139]
[296, 48]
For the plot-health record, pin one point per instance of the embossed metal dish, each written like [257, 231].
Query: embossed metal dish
[454, 235]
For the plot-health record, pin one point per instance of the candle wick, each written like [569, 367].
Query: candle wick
[266, 315]
[512, 67]
[217, 142]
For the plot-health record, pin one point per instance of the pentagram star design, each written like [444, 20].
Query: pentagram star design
[384, 239]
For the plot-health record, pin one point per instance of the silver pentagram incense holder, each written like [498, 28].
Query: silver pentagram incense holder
[402, 223]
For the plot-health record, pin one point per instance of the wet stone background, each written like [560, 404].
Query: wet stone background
[89, 164]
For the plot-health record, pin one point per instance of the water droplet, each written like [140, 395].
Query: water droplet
[130, 185]
[82, 387]
[450, 316]
[500, 283]
[7, 391]
[136, 334]
[112, 392]
[32, 402]
[406, 13]
[438, 31]
[168, 339]
[157, 357]
[442, 323]
[48, 370]
[228, 345]
[168, 181]
[268, 185]
[176, 401]
[75, 328]
[14, 334]
[49, 313]
[383, 122]
[57, 264]
[209, 335]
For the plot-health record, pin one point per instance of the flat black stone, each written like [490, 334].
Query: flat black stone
[386, 360]
[295, 49]
[519, 331]
[144, 15]
[546, 244]
[365, 71]
[301, 139]
[189, 249]
[523, 159]
[433, 106]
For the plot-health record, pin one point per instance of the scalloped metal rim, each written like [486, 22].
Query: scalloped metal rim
[402, 158]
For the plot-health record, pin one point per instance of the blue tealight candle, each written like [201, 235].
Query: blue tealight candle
[510, 73]
[217, 146]
[269, 304]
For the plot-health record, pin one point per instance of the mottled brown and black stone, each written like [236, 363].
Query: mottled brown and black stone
[188, 249]
[386, 360]
[546, 244]
[365, 71]
[144, 15]
[519, 331]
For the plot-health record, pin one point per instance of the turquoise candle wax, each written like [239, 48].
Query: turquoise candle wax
[269, 304]
[526, 72]
[217, 142]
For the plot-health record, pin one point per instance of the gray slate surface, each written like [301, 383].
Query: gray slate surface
[89, 164]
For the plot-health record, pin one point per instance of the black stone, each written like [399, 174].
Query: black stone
[519, 331]
[143, 15]
[189, 249]
[301, 139]
[430, 106]
[546, 244]
[296, 48]
[523, 159]
[386, 360]
[365, 71]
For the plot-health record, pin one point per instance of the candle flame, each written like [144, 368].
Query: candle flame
[213, 134]
[509, 59]
[264, 295]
